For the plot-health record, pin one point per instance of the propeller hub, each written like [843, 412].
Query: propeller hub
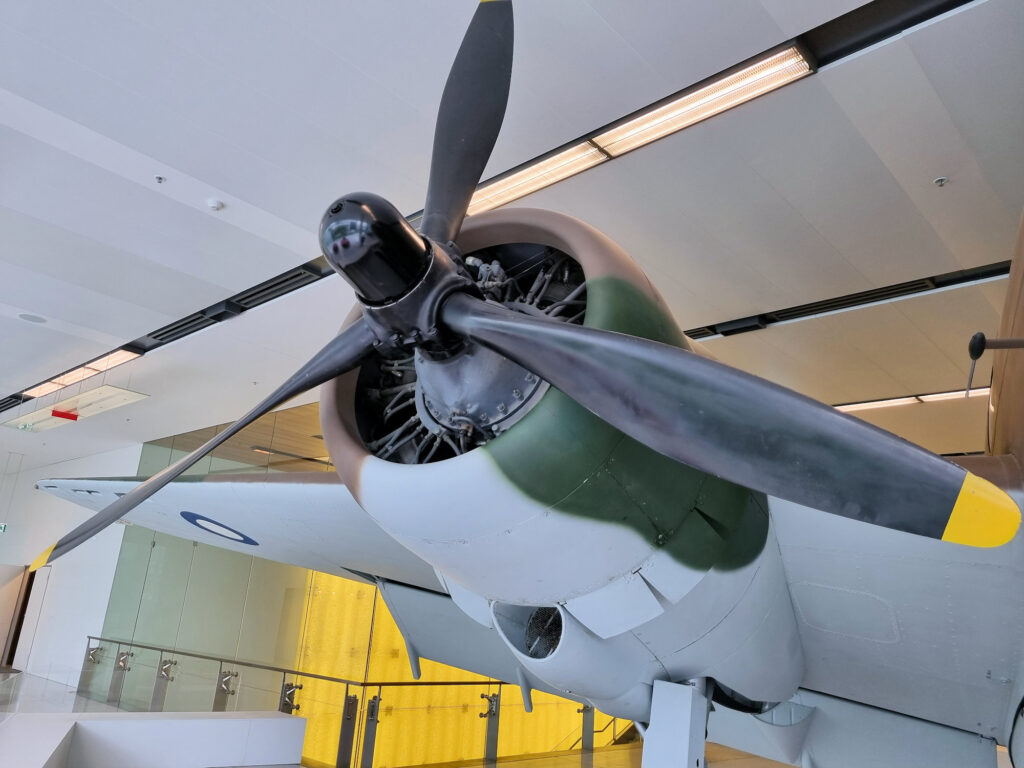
[369, 243]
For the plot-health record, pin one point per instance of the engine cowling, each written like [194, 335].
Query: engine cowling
[555, 507]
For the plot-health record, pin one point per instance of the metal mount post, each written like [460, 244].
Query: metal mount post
[587, 737]
[287, 703]
[89, 663]
[347, 737]
[121, 666]
[163, 677]
[493, 715]
[678, 729]
[223, 690]
[370, 732]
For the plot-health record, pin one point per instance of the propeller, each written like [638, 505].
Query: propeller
[745, 429]
[415, 293]
[343, 353]
[469, 118]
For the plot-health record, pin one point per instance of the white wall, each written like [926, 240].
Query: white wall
[70, 597]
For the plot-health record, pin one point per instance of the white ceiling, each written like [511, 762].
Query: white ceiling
[820, 189]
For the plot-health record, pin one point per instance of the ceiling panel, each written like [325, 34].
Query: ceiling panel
[701, 39]
[795, 17]
[79, 196]
[924, 144]
[805, 146]
[975, 63]
[950, 318]
[947, 426]
[912, 346]
[65, 257]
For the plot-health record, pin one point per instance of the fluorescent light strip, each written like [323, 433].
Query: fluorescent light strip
[100, 365]
[932, 398]
[748, 83]
[544, 173]
[758, 78]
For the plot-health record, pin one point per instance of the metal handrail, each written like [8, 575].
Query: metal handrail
[286, 671]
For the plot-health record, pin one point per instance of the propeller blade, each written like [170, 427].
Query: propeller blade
[469, 118]
[745, 429]
[344, 352]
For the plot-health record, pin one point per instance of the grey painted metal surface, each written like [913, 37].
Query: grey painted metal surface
[908, 624]
[847, 734]
[310, 520]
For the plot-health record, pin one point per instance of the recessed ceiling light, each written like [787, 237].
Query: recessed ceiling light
[29, 318]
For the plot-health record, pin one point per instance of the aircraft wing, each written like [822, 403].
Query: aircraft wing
[905, 623]
[305, 519]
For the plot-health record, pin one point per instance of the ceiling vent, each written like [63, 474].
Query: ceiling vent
[853, 300]
[302, 275]
[12, 401]
[176, 330]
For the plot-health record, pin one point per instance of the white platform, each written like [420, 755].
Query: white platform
[40, 730]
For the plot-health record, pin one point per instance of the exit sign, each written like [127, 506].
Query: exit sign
[3, 527]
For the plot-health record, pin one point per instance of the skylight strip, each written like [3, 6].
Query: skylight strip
[82, 372]
[869, 405]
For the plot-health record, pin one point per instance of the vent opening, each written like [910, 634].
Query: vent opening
[543, 631]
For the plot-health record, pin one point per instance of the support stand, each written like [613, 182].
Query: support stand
[677, 732]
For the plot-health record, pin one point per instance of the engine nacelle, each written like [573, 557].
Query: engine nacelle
[556, 508]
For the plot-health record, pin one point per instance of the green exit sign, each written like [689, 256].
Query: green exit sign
[3, 527]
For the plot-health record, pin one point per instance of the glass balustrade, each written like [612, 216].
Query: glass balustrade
[349, 723]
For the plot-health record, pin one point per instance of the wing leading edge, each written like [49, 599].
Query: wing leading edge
[306, 519]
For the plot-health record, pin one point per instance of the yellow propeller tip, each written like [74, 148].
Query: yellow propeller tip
[40, 561]
[983, 516]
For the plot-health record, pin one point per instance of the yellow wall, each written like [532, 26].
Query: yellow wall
[348, 632]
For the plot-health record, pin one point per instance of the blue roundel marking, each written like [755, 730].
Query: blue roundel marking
[218, 529]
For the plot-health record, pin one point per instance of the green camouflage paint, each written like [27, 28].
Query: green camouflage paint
[564, 457]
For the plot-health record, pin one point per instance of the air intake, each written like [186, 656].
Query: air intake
[543, 631]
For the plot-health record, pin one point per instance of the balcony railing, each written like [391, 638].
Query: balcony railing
[425, 722]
